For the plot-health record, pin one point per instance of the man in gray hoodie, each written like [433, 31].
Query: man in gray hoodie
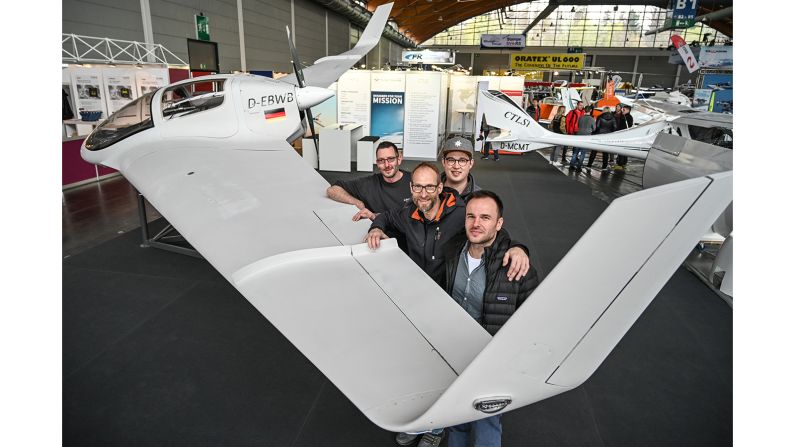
[585, 126]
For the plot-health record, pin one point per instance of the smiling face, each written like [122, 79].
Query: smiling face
[483, 221]
[423, 180]
[388, 161]
[457, 165]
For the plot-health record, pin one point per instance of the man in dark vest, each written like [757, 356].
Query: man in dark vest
[476, 279]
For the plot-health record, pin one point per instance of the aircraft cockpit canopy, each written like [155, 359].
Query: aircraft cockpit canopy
[130, 119]
[718, 136]
[193, 97]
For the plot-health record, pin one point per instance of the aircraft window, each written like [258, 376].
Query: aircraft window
[190, 98]
[130, 119]
[502, 96]
[679, 131]
[718, 136]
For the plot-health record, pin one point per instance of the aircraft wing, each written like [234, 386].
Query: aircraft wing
[326, 70]
[375, 324]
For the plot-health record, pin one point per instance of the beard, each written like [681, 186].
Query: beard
[425, 206]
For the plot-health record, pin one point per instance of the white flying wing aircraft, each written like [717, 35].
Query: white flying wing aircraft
[520, 133]
[212, 155]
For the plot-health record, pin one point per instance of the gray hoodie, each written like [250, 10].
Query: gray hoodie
[586, 125]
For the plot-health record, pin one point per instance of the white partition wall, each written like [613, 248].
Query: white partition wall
[463, 97]
[353, 98]
[423, 105]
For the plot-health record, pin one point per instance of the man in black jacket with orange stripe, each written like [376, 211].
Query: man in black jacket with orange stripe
[475, 278]
[436, 217]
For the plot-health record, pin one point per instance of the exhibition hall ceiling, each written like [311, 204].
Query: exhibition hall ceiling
[422, 19]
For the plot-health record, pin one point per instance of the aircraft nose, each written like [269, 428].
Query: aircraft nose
[311, 96]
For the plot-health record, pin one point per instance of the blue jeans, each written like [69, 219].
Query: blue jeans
[485, 433]
[577, 157]
[554, 154]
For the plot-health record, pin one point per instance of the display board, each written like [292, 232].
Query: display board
[701, 99]
[387, 105]
[88, 92]
[151, 79]
[119, 88]
[423, 104]
[721, 84]
[107, 89]
[353, 98]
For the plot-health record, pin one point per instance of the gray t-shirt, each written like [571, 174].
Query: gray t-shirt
[378, 195]
[469, 288]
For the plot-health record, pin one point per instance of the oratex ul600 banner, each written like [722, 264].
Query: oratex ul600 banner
[386, 116]
[562, 61]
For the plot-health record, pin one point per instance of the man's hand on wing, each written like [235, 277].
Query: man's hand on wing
[364, 213]
[374, 237]
[520, 263]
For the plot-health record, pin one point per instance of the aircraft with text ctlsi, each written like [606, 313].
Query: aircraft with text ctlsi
[212, 156]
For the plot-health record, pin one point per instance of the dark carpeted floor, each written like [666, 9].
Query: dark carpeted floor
[158, 349]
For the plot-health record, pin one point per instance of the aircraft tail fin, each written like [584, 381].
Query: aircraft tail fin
[500, 111]
[327, 70]
[570, 97]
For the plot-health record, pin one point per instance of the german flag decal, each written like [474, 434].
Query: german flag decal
[275, 115]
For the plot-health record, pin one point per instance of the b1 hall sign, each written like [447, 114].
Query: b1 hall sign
[563, 61]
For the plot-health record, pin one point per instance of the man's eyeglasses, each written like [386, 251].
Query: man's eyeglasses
[382, 161]
[430, 189]
[450, 161]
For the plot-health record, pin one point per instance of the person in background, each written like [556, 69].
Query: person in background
[585, 126]
[476, 279]
[606, 123]
[572, 121]
[624, 120]
[484, 135]
[534, 109]
[557, 125]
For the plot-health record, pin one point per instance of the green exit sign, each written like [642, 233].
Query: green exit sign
[202, 27]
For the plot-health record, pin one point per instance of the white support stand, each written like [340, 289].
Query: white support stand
[365, 153]
[78, 128]
[309, 152]
[338, 146]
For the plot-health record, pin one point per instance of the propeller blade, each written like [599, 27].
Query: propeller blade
[299, 74]
[311, 121]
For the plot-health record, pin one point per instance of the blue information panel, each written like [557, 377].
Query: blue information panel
[683, 13]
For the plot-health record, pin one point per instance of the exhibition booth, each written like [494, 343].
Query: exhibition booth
[413, 109]
[93, 93]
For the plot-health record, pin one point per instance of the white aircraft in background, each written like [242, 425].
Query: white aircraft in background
[520, 133]
[211, 154]
[677, 147]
